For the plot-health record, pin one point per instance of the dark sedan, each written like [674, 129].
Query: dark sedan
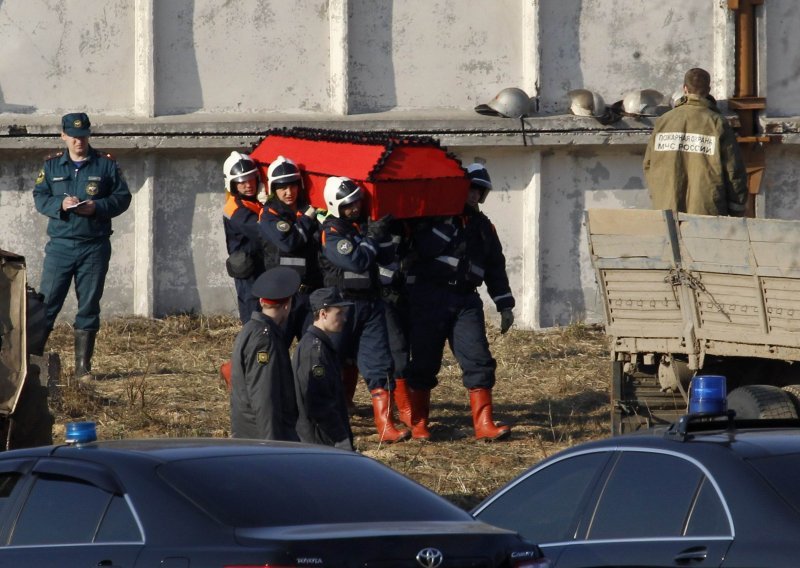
[228, 503]
[702, 493]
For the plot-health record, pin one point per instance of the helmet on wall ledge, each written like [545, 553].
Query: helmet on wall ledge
[340, 191]
[238, 168]
[479, 178]
[583, 102]
[644, 102]
[511, 102]
[282, 172]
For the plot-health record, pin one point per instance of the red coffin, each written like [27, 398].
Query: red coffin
[402, 176]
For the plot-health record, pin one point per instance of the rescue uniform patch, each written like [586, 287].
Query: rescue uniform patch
[40, 177]
[92, 188]
[344, 247]
[318, 371]
[263, 357]
[283, 226]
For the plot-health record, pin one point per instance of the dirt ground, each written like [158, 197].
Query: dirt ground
[159, 378]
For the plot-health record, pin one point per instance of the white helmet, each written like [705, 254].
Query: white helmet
[676, 98]
[479, 177]
[238, 168]
[508, 103]
[340, 191]
[583, 102]
[281, 172]
[646, 102]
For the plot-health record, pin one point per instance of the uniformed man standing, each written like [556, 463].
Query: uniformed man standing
[289, 226]
[455, 255]
[80, 190]
[263, 402]
[349, 261]
[243, 241]
[317, 375]
[692, 163]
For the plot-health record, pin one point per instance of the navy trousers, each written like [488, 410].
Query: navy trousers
[439, 314]
[85, 262]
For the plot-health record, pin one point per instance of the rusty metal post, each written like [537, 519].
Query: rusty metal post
[745, 100]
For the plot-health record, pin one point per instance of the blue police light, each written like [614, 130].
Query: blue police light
[81, 432]
[708, 395]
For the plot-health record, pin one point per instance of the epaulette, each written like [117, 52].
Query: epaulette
[52, 156]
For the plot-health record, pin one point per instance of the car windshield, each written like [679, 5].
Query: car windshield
[781, 473]
[284, 490]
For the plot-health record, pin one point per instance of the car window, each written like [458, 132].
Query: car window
[7, 483]
[543, 506]
[61, 510]
[273, 490]
[707, 517]
[647, 495]
[118, 524]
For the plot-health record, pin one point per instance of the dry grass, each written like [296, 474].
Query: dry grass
[159, 378]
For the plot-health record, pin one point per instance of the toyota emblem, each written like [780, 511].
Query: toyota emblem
[430, 558]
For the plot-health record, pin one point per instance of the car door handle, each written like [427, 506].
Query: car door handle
[694, 554]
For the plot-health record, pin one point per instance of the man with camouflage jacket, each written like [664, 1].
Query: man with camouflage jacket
[692, 163]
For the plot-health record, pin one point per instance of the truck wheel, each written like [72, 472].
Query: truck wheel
[761, 401]
[794, 393]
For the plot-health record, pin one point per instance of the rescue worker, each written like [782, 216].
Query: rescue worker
[323, 417]
[80, 190]
[349, 262]
[243, 240]
[395, 302]
[263, 401]
[692, 163]
[455, 256]
[289, 226]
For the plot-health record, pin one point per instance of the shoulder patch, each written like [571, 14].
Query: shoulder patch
[263, 357]
[344, 247]
[40, 177]
[283, 226]
[318, 371]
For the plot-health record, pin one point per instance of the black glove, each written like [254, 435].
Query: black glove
[379, 229]
[506, 320]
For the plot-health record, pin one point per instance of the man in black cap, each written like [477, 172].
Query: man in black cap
[263, 403]
[79, 190]
[318, 377]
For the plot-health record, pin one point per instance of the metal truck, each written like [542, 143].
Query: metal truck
[689, 294]
[25, 418]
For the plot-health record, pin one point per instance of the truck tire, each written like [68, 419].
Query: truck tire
[794, 393]
[761, 401]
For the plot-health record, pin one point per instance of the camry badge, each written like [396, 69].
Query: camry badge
[429, 558]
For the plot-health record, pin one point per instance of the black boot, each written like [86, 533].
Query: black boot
[84, 349]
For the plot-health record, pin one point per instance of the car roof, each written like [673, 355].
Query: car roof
[745, 439]
[172, 449]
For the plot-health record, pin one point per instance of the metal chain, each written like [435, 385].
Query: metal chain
[681, 277]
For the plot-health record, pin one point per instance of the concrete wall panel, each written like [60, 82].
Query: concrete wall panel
[420, 54]
[574, 180]
[783, 58]
[613, 46]
[59, 56]
[780, 184]
[189, 241]
[245, 57]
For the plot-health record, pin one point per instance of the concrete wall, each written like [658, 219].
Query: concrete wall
[173, 86]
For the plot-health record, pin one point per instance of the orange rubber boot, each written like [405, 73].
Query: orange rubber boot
[382, 408]
[402, 401]
[225, 373]
[485, 428]
[420, 410]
